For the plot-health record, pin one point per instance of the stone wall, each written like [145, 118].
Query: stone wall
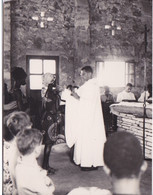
[78, 35]
[27, 36]
[6, 43]
[128, 43]
[132, 124]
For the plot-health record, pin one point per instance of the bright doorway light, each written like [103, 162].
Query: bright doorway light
[111, 73]
[50, 66]
[35, 82]
[35, 66]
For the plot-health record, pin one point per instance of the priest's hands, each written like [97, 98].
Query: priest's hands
[75, 95]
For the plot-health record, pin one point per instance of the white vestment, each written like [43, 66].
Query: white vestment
[71, 108]
[89, 126]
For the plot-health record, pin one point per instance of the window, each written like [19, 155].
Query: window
[115, 74]
[130, 73]
[37, 68]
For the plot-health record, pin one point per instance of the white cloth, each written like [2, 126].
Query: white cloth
[89, 126]
[141, 99]
[89, 191]
[71, 113]
[62, 95]
[125, 96]
[31, 179]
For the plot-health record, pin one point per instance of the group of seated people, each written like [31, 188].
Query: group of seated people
[23, 176]
[126, 94]
[107, 99]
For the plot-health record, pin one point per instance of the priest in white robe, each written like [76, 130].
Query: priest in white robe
[89, 129]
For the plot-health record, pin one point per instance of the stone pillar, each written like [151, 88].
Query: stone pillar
[81, 36]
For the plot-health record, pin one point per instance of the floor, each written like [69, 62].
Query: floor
[69, 176]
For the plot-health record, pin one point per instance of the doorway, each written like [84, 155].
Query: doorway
[37, 66]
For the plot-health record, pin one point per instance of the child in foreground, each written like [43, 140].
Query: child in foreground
[30, 177]
[13, 123]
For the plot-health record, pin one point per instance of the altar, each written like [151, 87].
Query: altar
[130, 118]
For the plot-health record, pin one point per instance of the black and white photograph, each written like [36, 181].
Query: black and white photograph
[76, 91]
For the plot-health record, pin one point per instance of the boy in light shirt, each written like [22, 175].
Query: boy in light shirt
[31, 179]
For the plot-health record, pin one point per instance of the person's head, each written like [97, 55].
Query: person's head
[48, 78]
[123, 156]
[106, 90]
[86, 73]
[15, 122]
[29, 141]
[128, 87]
[19, 75]
[69, 87]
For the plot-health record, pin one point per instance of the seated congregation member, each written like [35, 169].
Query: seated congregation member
[106, 100]
[126, 94]
[124, 163]
[13, 123]
[19, 76]
[147, 93]
[107, 96]
[30, 177]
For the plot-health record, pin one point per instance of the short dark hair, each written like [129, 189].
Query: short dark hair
[123, 154]
[87, 69]
[17, 121]
[18, 73]
[129, 85]
[69, 87]
[27, 140]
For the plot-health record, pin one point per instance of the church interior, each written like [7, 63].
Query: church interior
[60, 37]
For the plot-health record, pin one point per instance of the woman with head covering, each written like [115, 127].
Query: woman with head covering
[18, 76]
